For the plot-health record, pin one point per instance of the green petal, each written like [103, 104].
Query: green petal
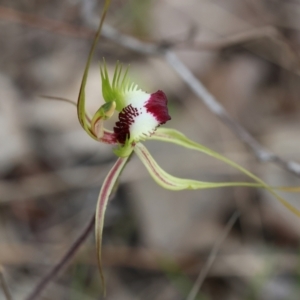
[176, 137]
[102, 114]
[170, 182]
[103, 198]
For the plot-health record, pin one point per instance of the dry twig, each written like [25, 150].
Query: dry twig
[211, 258]
[4, 285]
[238, 38]
[39, 288]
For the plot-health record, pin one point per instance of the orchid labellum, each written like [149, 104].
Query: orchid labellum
[140, 116]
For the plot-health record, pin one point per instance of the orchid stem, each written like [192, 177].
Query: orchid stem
[39, 288]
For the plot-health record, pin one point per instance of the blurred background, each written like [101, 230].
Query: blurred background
[156, 242]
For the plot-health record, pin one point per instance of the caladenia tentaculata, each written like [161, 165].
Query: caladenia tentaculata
[140, 116]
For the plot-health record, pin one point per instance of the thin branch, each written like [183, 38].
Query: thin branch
[212, 256]
[4, 285]
[40, 287]
[234, 39]
[43, 23]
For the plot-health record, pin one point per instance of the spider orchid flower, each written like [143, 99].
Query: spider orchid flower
[140, 116]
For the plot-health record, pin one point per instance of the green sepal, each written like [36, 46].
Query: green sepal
[176, 137]
[105, 192]
[81, 113]
[173, 183]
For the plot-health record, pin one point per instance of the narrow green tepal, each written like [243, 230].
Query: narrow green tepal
[173, 183]
[105, 193]
[104, 111]
[81, 97]
[176, 137]
[101, 115]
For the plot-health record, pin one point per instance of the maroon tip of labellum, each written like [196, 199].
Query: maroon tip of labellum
[157, 106]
